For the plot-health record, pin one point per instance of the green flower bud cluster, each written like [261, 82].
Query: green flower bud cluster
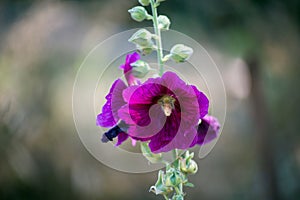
[143, 39]
[175, 177]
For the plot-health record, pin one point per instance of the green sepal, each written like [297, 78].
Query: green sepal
[153, 158]
[188, 184]
[174, 177]
[144, 50]
[160, 187]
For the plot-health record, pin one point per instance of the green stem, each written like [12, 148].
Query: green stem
[174, 152]
[166, 197]
[158, 40]
[181, 188]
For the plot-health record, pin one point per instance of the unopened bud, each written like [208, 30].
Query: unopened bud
[145, 50]
[189, 167]
[160, 187]
[173, 178]
[144, 2]
[138, 13]
[163, 22]
[181, 53]
[142, 37]
[140, 69]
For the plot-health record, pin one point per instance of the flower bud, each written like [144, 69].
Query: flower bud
[160, 187]
[173, 178]
[189, 167]
[144, 50]
[138, 13]
[140, 69]
[163, 22]
[181, 53]
[142, 37]
[144, 2]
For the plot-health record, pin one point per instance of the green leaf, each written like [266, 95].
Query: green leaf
[188, 184]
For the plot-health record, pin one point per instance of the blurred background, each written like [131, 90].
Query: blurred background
[256, 45]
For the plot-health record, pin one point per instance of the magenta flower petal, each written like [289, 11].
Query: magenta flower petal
[173, 81]
[122, 136]
[202, 101]
[109, 116]
[130, 58]
[207, 130]
[143, 122]
[166, 135]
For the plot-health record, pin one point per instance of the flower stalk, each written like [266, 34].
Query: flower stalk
[158, 37]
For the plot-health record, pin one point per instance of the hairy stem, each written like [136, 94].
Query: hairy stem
[158, 39]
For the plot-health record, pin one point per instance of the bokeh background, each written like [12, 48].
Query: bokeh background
[256, 45]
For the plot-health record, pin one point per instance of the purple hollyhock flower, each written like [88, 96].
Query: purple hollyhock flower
[166, 111]
[109, 115]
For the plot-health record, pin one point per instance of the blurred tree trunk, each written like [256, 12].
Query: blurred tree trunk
[263, 131]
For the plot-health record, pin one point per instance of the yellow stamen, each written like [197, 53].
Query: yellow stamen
[167, 104]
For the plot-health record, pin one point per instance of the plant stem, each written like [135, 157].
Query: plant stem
[174, 152]
[177, 190]
[158, 40]
[181, 188]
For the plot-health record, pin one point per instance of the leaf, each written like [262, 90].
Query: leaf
[188, 184]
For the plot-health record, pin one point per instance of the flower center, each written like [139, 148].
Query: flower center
[167, 104]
